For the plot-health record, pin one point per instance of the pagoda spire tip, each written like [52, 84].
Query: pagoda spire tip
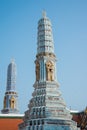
[44, 13]
[12, 60]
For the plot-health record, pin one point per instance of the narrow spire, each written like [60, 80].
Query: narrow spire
[11, 76]
[10, 98]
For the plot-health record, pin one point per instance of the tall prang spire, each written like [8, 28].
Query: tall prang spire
[47, 109]
[10, 104]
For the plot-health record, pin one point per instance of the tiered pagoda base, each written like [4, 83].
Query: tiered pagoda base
[49, 124]
[47, 110]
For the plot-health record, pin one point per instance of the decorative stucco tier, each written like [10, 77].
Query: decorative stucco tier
[47, 109]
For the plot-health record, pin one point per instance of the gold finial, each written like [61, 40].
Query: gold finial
[44, 14]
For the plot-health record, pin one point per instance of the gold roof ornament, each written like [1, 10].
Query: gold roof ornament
[86, 110]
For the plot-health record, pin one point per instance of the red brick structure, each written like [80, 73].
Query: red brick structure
[10, 122]
[81, 119]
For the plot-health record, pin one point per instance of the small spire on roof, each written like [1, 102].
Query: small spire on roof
[44, 13]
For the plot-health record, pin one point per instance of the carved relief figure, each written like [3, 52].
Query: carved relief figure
[37, 71]
[49, 71]
[12, 102]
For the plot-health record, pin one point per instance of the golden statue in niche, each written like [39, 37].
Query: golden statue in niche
[12, 103]
[37, 71]
[49, 71]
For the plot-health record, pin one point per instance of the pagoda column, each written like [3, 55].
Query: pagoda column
[47, 109]
[10, 104]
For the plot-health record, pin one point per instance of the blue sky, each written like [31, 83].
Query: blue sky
[18, 39]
